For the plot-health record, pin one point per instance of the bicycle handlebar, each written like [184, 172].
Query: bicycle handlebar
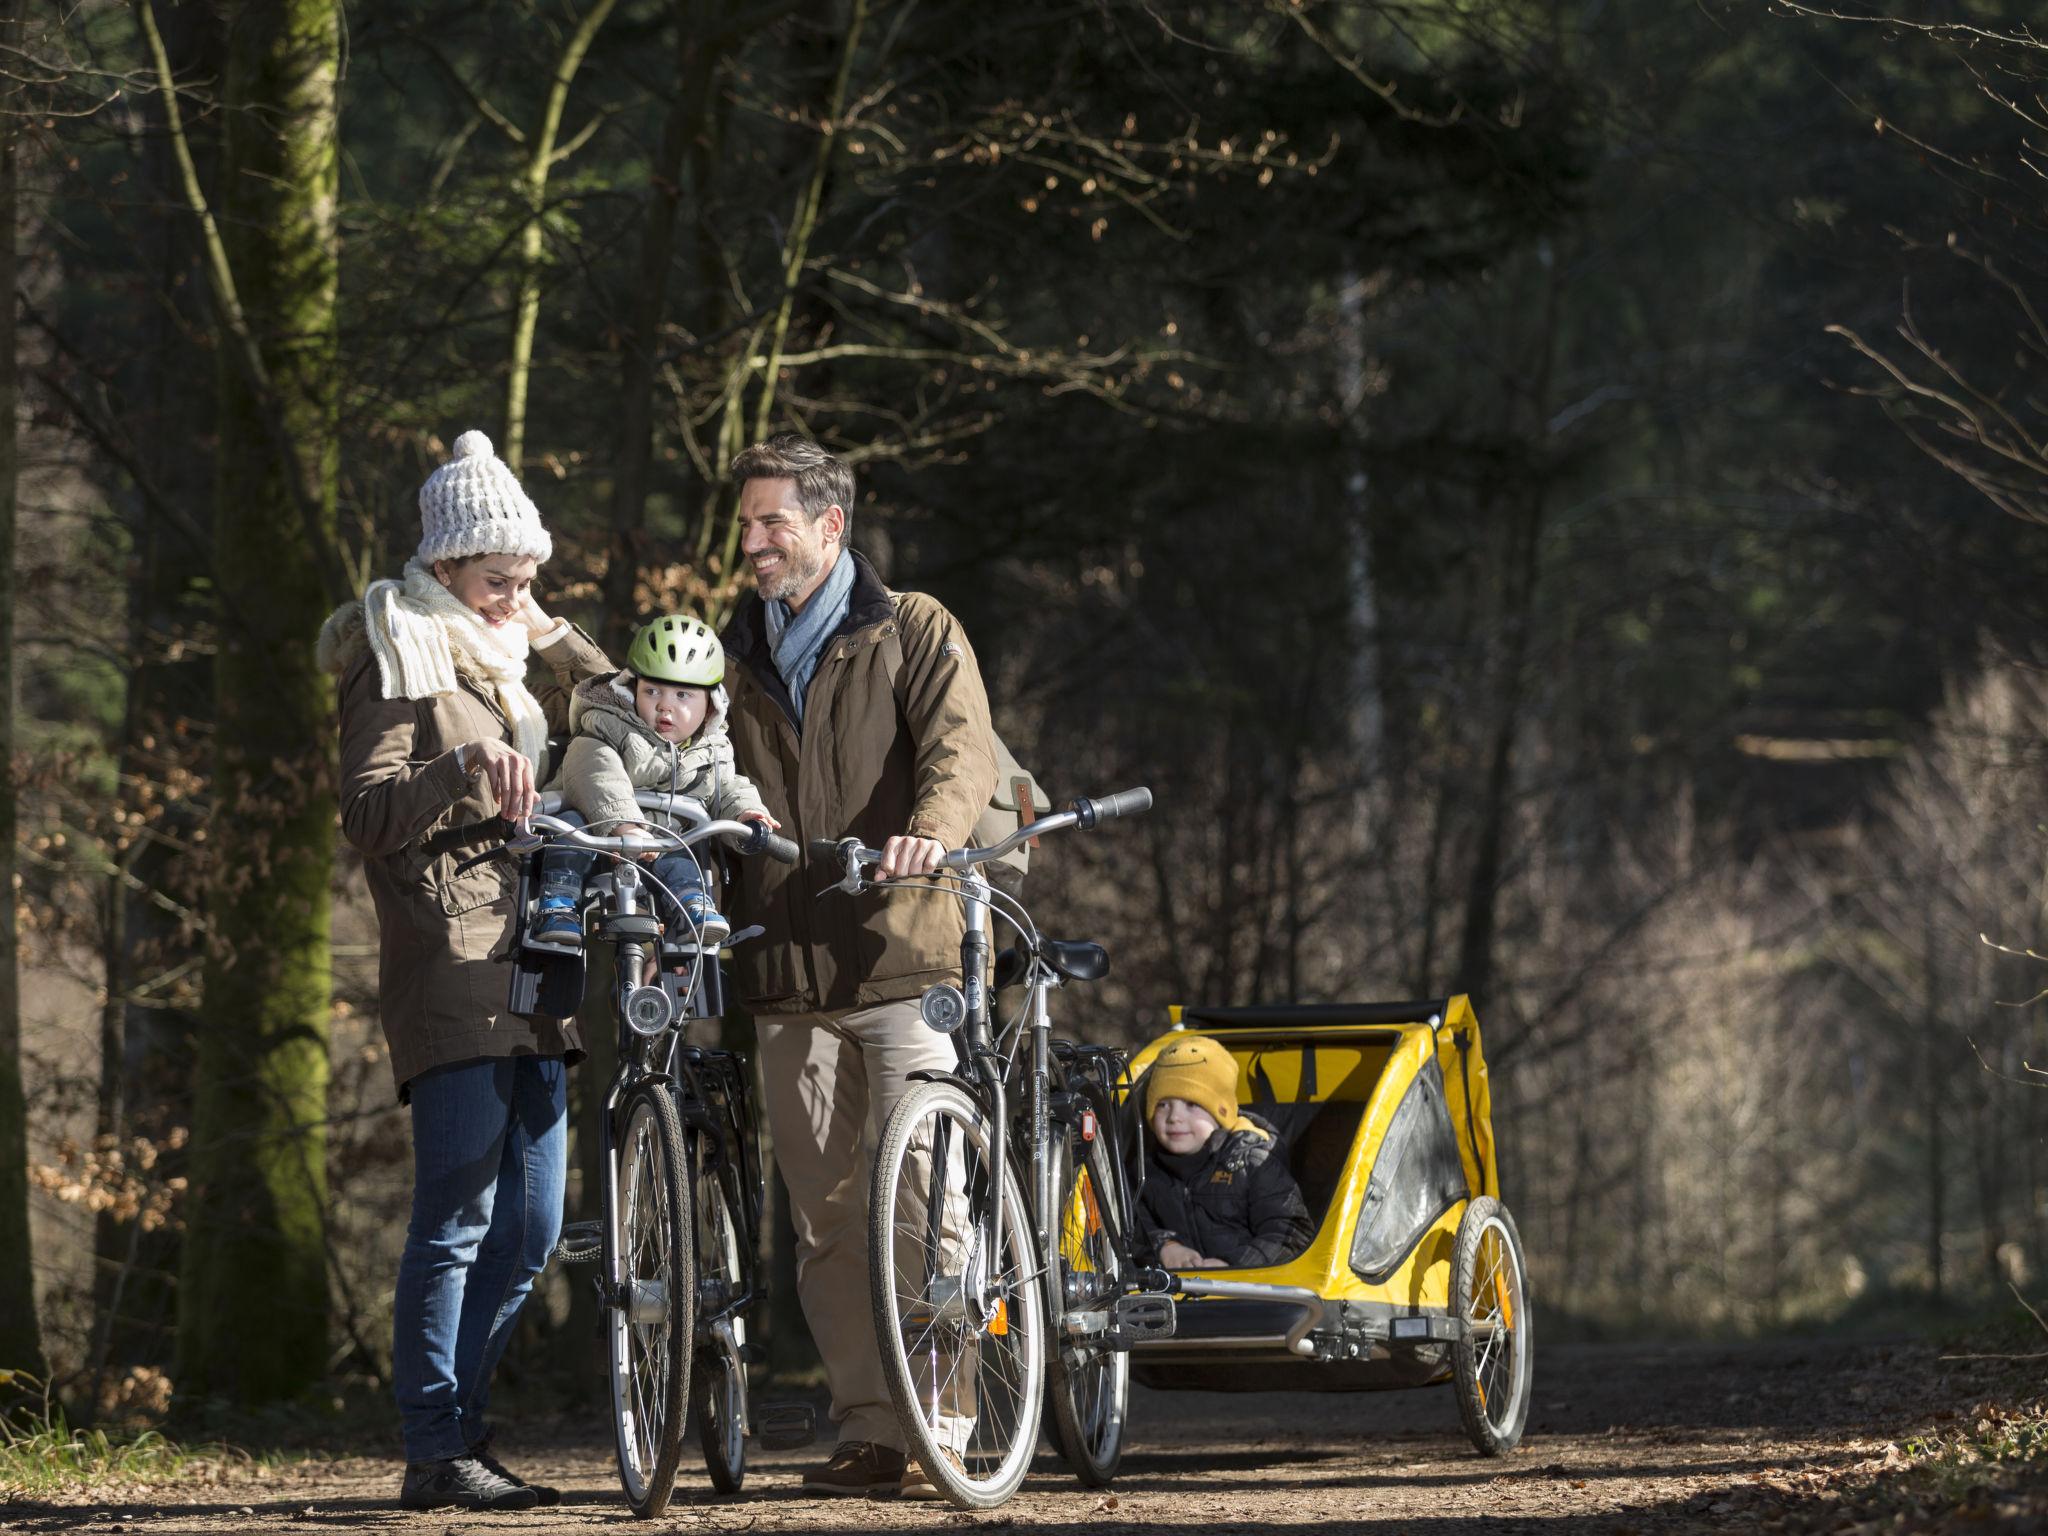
[850, 856]
[752, 836]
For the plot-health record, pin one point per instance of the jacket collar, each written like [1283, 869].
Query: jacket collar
[746, 637]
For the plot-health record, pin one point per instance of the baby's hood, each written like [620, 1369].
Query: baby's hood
[604, 706]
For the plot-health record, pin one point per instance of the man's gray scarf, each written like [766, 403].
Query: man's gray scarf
[798, 641]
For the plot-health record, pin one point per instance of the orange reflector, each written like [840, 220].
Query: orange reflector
[1000, 1323]
[1094, 1210]
[1507, 1307]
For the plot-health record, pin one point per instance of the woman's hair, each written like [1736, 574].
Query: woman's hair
[457, 562]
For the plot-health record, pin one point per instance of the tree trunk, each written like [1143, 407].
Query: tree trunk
[1935, 1068]
[253, 1299]
[541, 155]
[21, 1346]
[695, 60]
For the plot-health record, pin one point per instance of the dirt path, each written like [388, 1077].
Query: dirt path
[1752, 1437]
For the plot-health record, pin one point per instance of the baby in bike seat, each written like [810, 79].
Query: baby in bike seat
[659, 724]
[1217, 1191]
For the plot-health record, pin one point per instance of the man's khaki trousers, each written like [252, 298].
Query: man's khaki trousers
[833, 1079]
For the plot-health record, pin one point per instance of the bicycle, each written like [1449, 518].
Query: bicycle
[683, 1182]
[982, 1292]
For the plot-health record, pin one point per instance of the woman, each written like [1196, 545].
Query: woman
[438, 734]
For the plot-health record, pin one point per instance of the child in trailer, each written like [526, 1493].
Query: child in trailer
[659, 724]
[1217, 1191]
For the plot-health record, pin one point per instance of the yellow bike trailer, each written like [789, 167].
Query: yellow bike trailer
[1415, 1275]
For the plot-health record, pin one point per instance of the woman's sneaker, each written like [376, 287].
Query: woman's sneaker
[545, 1496]
[705, 921]
[461, 1482]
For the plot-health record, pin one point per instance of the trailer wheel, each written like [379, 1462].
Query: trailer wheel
[1492, 1364]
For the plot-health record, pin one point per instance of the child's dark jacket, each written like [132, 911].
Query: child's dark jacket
[1230, 1199]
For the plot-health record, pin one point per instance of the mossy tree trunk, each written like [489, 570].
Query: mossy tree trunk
[253, 1297]
[21, 1347]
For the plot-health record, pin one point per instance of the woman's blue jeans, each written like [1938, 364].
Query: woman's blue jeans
[490, 1161]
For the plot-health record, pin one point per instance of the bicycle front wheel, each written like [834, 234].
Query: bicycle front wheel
[1091, 1383]
[960, 1325]
[652, 1313]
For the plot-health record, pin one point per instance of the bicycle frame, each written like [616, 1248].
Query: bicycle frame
[710, 1089]
[989, 1066]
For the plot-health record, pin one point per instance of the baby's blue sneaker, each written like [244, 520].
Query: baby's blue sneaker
[558, 921]
[705, 921]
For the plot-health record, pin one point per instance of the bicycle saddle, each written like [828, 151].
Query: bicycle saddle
[1075, 959]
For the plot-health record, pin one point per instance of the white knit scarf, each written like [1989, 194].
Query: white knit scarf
[416, 626]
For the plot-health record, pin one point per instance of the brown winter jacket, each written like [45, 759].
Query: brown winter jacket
[443, 976]
[896, 739]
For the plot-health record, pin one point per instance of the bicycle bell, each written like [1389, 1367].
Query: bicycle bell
[943, 1007]
[648, 1010]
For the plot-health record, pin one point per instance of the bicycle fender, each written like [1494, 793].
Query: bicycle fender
[933, 1075]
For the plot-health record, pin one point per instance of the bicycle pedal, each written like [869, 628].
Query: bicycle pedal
[1141, 1317]
[786, 1426]
[753, 1354]
[581, 1242]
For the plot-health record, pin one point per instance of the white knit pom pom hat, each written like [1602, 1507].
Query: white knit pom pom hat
[472, 505]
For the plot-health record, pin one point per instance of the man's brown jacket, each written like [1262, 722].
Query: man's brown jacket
[896, 739]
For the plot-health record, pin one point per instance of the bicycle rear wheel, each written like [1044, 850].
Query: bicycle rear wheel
[718, 1391]
[961, 1331]
[1091, 1383]
[650, 1322]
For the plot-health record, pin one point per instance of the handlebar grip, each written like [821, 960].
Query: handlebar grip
[825, 849]
[780, 849]
[1125, 802]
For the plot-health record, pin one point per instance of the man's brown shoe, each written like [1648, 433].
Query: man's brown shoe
[857, 1466]
[918, 1484]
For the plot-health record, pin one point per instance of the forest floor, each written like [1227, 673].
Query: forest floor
[1825, 1436]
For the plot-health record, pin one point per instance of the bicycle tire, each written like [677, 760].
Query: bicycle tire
[718, 1396]
[650, 1323]
[1493, 1363]
[997, 1395]
[1089, 1385]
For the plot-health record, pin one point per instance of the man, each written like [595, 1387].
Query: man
[856, 712]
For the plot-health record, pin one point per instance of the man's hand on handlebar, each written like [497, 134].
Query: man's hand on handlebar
[903, 857]
[509, 772]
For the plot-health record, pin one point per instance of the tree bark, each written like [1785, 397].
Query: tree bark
[21, 1346]
[696, 58]
[253, 1297]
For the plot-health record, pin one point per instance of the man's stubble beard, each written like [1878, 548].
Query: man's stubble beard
[800, 567]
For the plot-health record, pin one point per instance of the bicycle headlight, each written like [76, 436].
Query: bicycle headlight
[648, 1010]
[943, 1007]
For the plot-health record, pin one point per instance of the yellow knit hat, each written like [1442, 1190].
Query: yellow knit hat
[1198, 1070]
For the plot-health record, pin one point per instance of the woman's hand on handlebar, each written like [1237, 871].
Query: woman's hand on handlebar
[761, 816]
[903, 857]
[509, 772]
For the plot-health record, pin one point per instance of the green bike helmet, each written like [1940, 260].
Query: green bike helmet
[678, 649]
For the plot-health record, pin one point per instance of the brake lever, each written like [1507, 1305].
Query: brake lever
[475, 859]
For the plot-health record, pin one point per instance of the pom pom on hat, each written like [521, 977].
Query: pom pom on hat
[1199, 1070]
[473, 505]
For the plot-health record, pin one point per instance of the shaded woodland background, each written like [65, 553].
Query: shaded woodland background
[1410, 437]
